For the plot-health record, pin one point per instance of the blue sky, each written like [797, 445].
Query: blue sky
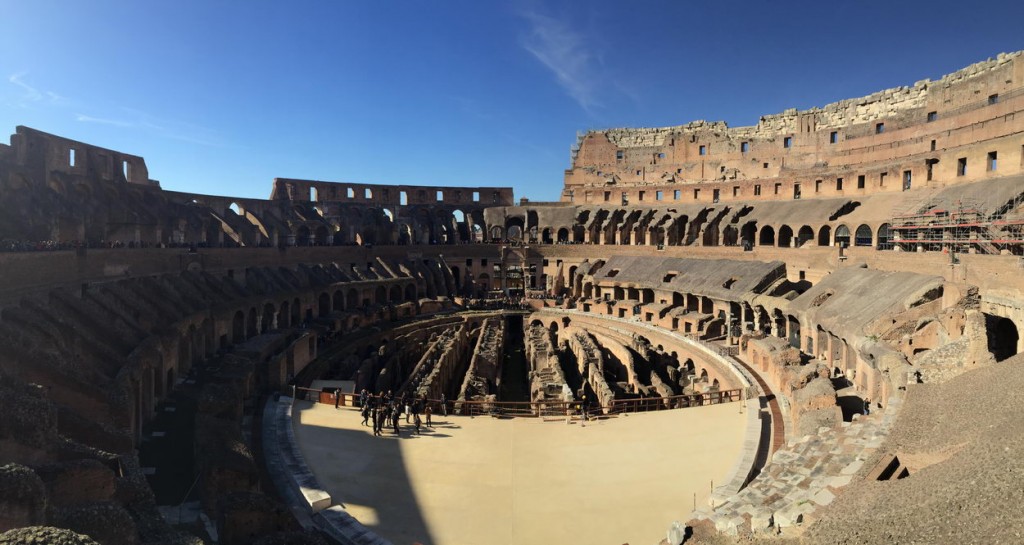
[221, 97]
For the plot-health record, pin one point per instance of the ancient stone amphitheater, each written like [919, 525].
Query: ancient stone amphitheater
[851, 275]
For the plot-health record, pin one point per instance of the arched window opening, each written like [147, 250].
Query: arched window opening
[863, 236]
[843, 236]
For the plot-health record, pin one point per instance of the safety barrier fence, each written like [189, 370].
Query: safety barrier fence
[545, 408]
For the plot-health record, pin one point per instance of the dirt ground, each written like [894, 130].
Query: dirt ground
[523, 481]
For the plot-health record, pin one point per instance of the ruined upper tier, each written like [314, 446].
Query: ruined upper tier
[962, 127]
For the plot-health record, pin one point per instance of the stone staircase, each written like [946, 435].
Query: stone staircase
[803, 477]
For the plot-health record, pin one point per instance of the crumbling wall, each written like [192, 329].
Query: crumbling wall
[482, 375]
[23, 502]
[591, 365]
[814, 402]
[441, 363]
[547, 380]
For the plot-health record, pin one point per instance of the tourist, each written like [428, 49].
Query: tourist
[395, 417]
[407, 403]
[417, 407]
[365, 411]
[444, 405]
[337, 397]
[428, 412]
[416, 420]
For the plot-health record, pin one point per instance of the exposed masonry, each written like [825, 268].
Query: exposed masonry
[878, 105]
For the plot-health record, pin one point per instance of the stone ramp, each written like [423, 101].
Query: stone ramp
[803, 477]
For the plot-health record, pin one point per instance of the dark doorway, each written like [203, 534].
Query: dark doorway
[1002, 336]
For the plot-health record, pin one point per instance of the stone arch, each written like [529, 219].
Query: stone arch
[410, 292]
[462, 227]
[730, 236]
[405, 234]
[532, 224]
[351, 299]
[514, 229]
[323, 305]
[1003, 336]
[284, 315]
[862, 236]
[647, 295]
[395, 294]
[338, 301]
[545, 236]
[238, 327]
[169, 381]
[710, 237]
[267, 323]
[302, 236]
[825, 236]
[322, 236]
[885, 238]
[563, 235]
[785, 236]
[497, 233]
[767, 236]
[380, 295]
[252, 329]
[748, 234]
[445, 231]
[842, 235]
[804, 236]
[296, 311]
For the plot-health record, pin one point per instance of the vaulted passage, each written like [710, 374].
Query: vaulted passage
[1002, 336]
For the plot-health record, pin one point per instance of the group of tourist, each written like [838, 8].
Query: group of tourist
[498, 303]
[54, 245]
[8, 245]
[385, 410]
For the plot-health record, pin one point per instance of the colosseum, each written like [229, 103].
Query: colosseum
[800, 331]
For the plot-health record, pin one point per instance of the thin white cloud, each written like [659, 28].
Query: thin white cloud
[57, 99]
[131, 118]
[564, 51]
[30, 93]
[102, 121]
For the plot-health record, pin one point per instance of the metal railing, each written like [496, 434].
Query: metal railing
[536, 409]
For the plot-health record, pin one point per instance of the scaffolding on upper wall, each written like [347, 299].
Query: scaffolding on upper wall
[963, 228]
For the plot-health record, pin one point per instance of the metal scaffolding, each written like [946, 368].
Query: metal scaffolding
[963, 228]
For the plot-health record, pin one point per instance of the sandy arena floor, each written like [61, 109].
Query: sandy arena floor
[522, 481]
